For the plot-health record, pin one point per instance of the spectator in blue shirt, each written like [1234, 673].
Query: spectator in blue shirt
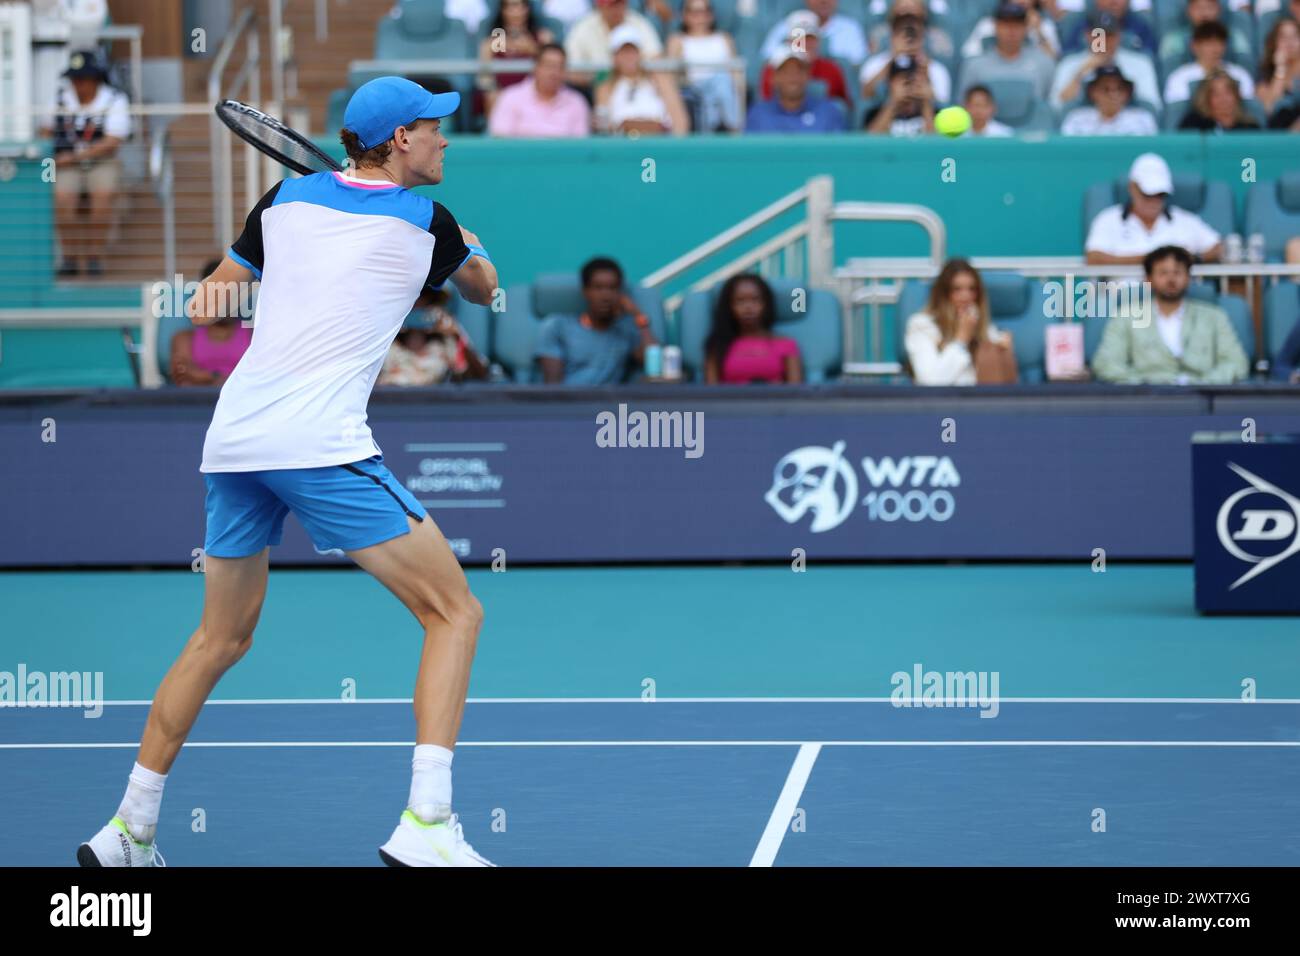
[600, 346]
[792, 109]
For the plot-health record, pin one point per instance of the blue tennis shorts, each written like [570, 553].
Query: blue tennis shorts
[343, 507]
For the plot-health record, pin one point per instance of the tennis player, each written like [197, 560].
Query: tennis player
[341, 258]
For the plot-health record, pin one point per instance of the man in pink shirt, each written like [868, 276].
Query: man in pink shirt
[541, 105]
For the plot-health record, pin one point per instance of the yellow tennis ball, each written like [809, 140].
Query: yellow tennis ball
[952, 121]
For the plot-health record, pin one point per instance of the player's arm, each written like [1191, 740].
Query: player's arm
[459, 256]
[219, 295]
[476, 279]
[222, 294]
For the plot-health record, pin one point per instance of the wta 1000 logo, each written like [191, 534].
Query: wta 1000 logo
[820, 481]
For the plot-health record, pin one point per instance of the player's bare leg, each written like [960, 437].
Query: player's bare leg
[234, 589]
[420, 569]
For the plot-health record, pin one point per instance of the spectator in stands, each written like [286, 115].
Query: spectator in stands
[431, 348]
[207, 354]
[1010, 58]
[567, 12]
[1131, 29]
[1217, 107]
[1124, 234]
[587, 43]
[601, 345]
[906, 38]
[701, 46]
[793, 109]
[953, 342]
[1177, 41]
[1182, 341]
[541, 106]
[934, 39]
[1279, 68]
[515, 33]
[909, 108]
[1112, 112]
[1109, 51]
[1209, 44]
[804, 36]
[841, 36]
[1040, 30]
[89, 123]
[741, 347]
[1286, 363]
[632, 100]
[980, 105]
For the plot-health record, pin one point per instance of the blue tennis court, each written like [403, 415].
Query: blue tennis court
[1117, 733]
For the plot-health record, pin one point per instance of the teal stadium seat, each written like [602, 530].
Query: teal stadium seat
[1273, 209]
[514, 330]
[1015, 306]
[817, 329]
[1209, 199]
[1281, 317]
[420, 30]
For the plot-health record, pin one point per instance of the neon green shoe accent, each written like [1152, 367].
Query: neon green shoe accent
[410, 815]
[120, 824]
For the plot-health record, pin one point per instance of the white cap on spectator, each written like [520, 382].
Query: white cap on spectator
[622, 35]
[786, 52]
[1151, 174]
[804, 20]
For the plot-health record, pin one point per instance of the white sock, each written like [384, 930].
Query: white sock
[142, 803]
[430, 783]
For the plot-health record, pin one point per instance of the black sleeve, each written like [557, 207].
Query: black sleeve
[449, 249]
[247, 249]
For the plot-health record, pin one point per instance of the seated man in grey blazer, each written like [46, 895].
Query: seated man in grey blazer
[1174, 340]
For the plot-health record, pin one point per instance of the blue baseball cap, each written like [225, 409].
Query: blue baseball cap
[378, 107]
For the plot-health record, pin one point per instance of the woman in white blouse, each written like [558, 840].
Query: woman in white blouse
[634, 100]
[953, 342]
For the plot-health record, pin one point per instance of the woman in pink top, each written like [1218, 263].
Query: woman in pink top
[206, 355]
[741, 347]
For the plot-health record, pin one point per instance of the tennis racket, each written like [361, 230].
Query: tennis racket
[266, 133]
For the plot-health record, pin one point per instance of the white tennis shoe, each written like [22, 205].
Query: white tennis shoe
[114, 846]
[416, 843]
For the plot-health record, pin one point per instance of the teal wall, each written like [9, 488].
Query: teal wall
[548, 206]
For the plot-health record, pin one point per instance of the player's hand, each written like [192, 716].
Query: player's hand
[469, 237]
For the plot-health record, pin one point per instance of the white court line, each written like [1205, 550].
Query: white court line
[779, 822]
[678, 743]
[915, 702]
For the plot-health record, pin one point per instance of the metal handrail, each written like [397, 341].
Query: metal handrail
[163, 173]
[465, 65]
[693, 257]
[222, 167]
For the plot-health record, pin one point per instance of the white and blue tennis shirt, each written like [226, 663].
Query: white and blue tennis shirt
[341, 262]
